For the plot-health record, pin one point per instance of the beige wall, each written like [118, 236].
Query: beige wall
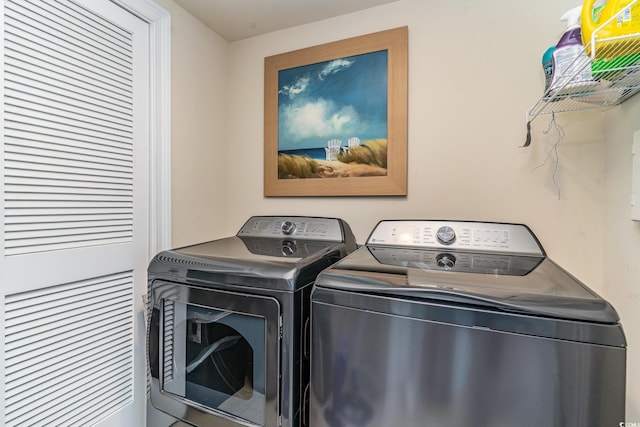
[474, 69]
[199, 75]
[622, 240]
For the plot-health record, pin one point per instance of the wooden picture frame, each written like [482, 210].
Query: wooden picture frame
[383, 55]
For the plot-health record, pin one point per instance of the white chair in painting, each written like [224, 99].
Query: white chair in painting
[332, 149]
[351, 142]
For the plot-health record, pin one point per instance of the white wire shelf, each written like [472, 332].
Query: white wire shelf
[614, 64]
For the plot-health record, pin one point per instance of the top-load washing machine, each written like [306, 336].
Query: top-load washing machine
[461, 324]
[229, 327]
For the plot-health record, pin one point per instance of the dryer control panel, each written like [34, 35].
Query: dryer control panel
[308, 228]
[458, 235]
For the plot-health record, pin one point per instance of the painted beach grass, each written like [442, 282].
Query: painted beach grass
[367, 159]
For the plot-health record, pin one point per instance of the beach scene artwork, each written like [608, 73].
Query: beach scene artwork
[332, 118]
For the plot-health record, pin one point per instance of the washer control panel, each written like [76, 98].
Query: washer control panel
[309, 228]
[460, 235]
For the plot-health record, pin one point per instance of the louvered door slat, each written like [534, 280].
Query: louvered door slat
[26, 109]
[49, 304]
[76, 79]
[36, 169]
[48, 365]
[71, 29]
[79, 231]
[50, 149]
[105, 122]
[13, 117]
[79, 81]
[81, 163]
[44, 195]
[75, 394]
[61, 381]
[64, 343]
[86, 356]
[52, 368]
[22, 52]
[72, 146]
[30, 322]
[60, 203]
[60, 104]
[61, 362]
[48, 369]
[109, 32]
[62, 365]
[25, 26]
[40, 134]
[59, 96]
[68, 224]
[78, 416]
[57, 229]
[65, 154]
[62, 220]
[56, 158]
[26, 190]
[66, 242]
[16, 175]
[80, 21]
[51, 214]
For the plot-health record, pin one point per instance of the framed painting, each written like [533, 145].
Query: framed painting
[335, 118]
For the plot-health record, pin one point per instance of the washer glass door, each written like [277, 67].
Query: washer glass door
[217, 351]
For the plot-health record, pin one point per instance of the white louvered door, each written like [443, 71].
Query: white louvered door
[75, 214]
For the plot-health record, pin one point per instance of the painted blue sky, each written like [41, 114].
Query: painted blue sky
[335, 99]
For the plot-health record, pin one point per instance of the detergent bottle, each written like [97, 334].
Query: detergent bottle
[571, 67]
[597, 9]
[547, 66]
[615, 18]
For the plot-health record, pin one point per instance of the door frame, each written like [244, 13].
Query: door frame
[159, 21]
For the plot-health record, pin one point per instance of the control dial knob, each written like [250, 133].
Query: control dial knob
[446, 235]
[288, 248]
[446, 261]
[288, 227]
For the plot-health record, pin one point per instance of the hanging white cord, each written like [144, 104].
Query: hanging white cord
[553, 125]
[221, 344]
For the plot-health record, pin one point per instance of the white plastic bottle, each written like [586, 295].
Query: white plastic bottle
[571, 66]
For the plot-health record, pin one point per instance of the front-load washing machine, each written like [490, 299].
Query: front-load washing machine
[229, 322]
[461, 324]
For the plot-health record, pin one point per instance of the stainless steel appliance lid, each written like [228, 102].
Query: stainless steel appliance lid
[507, 275]
[269, 252]
[255, 250]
